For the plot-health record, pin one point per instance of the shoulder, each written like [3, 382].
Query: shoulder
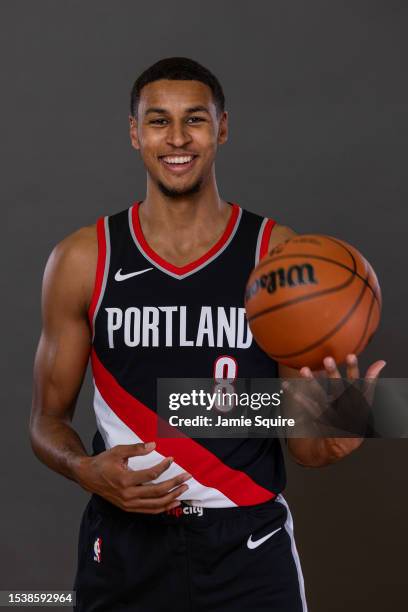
[280, 233]
[71, 266]
[78, 246]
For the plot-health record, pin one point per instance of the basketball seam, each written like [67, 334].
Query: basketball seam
[338, 326]
[339, 244]
[320, 257]
[372, 289]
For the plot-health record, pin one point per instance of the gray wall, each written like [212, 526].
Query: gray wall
[317, 94]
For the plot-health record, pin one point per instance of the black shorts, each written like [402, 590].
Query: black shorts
[223, 559]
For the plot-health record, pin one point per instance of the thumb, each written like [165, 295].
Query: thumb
[124, 451]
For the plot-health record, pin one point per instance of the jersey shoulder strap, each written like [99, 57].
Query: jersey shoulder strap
[255, 229]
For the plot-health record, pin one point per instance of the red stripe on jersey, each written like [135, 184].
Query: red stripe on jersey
[100, 268]
[265, 238]
[203, 465]
[194, 264]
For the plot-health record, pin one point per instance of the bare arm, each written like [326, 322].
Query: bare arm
[63, 352]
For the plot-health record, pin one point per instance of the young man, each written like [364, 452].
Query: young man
[157, 291]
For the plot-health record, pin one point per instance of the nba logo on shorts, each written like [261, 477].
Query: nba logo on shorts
[97, 550]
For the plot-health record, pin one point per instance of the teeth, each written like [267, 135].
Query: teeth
[178, 159]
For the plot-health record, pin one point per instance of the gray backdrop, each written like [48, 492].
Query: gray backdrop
[317, 94]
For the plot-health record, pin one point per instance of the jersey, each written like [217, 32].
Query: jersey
[151, 319]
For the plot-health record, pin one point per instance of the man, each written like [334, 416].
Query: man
[156, 291]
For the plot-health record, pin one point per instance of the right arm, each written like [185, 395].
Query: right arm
[63, 352]
[60, 365]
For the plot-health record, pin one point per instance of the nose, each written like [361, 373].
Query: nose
[178, 134]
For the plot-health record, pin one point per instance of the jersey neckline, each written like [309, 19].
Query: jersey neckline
[192, 267]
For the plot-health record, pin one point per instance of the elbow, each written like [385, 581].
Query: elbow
[32, 435]
[315, 453]
[322, 457]
[33, 431]
[312, 462]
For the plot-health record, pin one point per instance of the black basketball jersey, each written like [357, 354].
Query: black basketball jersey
[151, 319]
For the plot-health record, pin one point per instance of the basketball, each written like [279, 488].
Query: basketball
[313, 296]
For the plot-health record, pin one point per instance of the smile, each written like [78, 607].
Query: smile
[178, 163]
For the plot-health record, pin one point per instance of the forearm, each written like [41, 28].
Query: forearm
[57, 444]
[318, 452]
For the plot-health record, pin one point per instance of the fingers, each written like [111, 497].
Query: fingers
[375, 369]
[331, 367]
[335, 386]
[314, 386]
[301, 400]
[132, 500]
[133, 450]
[163, 501]
[133, 494]
[152, 497]
[136, 477]
[352, 369]
[162, 488]
[370, 379]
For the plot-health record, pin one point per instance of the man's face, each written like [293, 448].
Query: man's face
[177, 131]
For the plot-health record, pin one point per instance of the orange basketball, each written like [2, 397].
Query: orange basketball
[311, 297]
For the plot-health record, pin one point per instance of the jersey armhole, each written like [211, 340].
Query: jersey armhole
[264, 235]
[102, 268]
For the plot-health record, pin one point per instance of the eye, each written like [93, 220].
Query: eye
[195, 119]
[158, 121]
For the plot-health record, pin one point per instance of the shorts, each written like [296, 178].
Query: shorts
[190, 559]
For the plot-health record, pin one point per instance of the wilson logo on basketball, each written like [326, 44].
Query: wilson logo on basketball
[294, 276]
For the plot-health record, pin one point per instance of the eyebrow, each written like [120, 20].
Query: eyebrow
[197, 109]
[155, 110]
[163, 111]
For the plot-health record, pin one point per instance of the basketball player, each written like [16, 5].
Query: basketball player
[156, 290]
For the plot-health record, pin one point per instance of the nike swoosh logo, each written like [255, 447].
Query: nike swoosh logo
[251, 544]
[120, 277]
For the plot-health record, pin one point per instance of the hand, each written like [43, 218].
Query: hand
[108, 475]
[340, 408]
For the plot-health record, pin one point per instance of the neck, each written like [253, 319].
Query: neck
[181, 229]
[159, 211]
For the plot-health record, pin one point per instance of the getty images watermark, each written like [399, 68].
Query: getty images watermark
[223, 402]
[226, 408]
[287, 408]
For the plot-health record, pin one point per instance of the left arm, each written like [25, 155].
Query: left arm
[317, 452]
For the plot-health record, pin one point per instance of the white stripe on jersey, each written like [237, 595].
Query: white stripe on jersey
[114, 431]
[259, 241]
[105, 272]
[289, 529]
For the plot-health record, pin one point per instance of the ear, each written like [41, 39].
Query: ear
[223, 128]
[134, 139]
